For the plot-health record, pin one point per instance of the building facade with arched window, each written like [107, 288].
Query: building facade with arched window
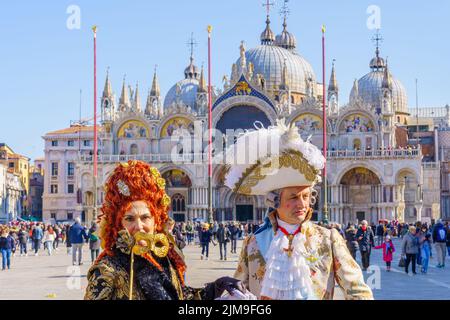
[371, 172]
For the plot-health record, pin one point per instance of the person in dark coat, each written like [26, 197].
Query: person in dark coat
[176, 233]
[205, 239]
[94, 241]
[234, 236]
[365, 238]
[352, 242]
[77, 237]
[223, 237]
[380, 233]
[23, 241]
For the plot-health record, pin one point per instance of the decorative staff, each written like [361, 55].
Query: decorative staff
[324, 125]
[94, 29]
[210, 210]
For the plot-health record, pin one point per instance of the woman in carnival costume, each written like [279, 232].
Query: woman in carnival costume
[140, 260]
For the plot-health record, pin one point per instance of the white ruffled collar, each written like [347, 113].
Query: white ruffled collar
[287, 278]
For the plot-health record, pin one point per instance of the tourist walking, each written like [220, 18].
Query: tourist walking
[6, 245]
[57, 237]
[365, 238]
[440, 240]
[410, 249]
[94, 241]
[234, 236]
[223, 237]
[388, 251]
[49, 238]
[67, 236]
[380, 233]
[23, 241]
[425, 248]
[37, 238]
[189, 232]
[205, 239]
[77, 236]
[352, 241]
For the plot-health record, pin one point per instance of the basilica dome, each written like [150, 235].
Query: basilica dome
[185, 90]
[268, 60]
[369, 88]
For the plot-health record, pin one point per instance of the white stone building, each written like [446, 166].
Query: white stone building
[15, 195]
[370, 173]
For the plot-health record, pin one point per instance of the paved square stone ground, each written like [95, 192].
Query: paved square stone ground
[53, 277]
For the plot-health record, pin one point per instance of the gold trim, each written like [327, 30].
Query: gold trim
[289, 159]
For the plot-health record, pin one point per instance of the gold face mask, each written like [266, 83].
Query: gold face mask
[156, 243]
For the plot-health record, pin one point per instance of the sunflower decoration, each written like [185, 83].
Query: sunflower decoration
[155, 173]
[161, 183]
[165, 200]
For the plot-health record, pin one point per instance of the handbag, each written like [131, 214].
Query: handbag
[402, 262]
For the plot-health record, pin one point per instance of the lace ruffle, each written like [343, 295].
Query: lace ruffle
[287, 278]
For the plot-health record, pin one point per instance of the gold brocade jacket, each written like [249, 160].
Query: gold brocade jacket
[109, 278]
[330, 261]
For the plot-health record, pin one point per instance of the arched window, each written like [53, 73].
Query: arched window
[292, 100]
[178, 203]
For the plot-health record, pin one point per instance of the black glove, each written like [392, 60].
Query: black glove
[215, 289]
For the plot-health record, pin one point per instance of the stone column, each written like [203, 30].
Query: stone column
[419, 212]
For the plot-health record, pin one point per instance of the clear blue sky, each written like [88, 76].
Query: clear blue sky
[44, 64]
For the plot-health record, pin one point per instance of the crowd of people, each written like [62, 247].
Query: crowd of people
[224, 234]
[23, 238]
[417, 240]
[416, 243]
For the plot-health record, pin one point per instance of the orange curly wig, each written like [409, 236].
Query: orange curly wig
[144, 184]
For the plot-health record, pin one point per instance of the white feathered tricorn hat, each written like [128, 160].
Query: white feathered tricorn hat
[264, 160]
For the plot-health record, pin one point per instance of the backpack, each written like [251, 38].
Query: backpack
[440, 235]
[93, 237]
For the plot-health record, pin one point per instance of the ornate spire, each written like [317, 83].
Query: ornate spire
[191, 71]
[333, 86]
[243, 58]
[202, 84]
[107, 91]
[284, 77]
[155, 91]
[355, 91]
[124, 100]
[377, 63]
[285, 39]
[387, 78]
[267, 36]
[137, 98]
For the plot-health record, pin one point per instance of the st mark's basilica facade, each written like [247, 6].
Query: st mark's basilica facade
[371, 173]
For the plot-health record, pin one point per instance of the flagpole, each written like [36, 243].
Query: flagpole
[210, 210]
[325, 184]
[94, 29]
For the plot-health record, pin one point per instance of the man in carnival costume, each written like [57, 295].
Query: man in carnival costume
[289, 257]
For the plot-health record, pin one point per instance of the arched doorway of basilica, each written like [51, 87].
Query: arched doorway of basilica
[244, 208]
[242, 117]
[178, 184]
[360, 193]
